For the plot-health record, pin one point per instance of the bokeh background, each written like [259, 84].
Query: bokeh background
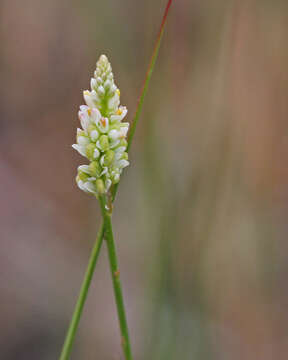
[201, 216]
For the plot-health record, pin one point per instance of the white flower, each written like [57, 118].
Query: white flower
[114, 134]
[103, 124]
[119, 114]
[84, 118]
[114, 102]
[123, 131]
[91, 98]
[88, 116]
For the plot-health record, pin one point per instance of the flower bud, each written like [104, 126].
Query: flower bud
[82, 176]
[100, 186]
[93, 83]
[107, 84]
[104, 142]
[123, 142]
[115, 177]
[101, 90]
[109, 157]
[95, 168]
[90, 151]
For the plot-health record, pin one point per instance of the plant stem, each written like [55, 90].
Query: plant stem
[66, 350]
[113, 261]
[148, 75]
[70, 336]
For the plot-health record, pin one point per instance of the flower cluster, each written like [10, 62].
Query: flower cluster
[102, 139]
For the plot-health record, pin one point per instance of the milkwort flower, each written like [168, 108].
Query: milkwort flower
[102, 138]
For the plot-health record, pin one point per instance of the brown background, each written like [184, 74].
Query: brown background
[201, 216]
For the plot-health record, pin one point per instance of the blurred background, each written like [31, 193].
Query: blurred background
[201, 217]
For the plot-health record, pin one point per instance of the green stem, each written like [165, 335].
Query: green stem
[108, 234]
[148, 75]
[70, 336]
[66, 350]
[145, 85]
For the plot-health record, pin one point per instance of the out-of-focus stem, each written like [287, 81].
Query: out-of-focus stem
[145, 84]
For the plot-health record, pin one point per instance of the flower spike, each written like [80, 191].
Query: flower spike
[102, 138]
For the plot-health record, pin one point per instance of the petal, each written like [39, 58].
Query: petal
[95, 115]
[123, 163]
[90, 98]
[118, 155]
[105, 170]
[101, 90]
[114, 134]
[114, 143]
[84, 168]
[93, 83]
[116, 177]
[80, 184]
[120, 150]
[84, 120]
[107, 84]
[108, 183]
[89, 187]
[114, 102]
[83, 140]
[123, 131]
[81, 149]
[125, 124]
[102, 160]
[94, 135]
[96, 153]
[113, 88]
